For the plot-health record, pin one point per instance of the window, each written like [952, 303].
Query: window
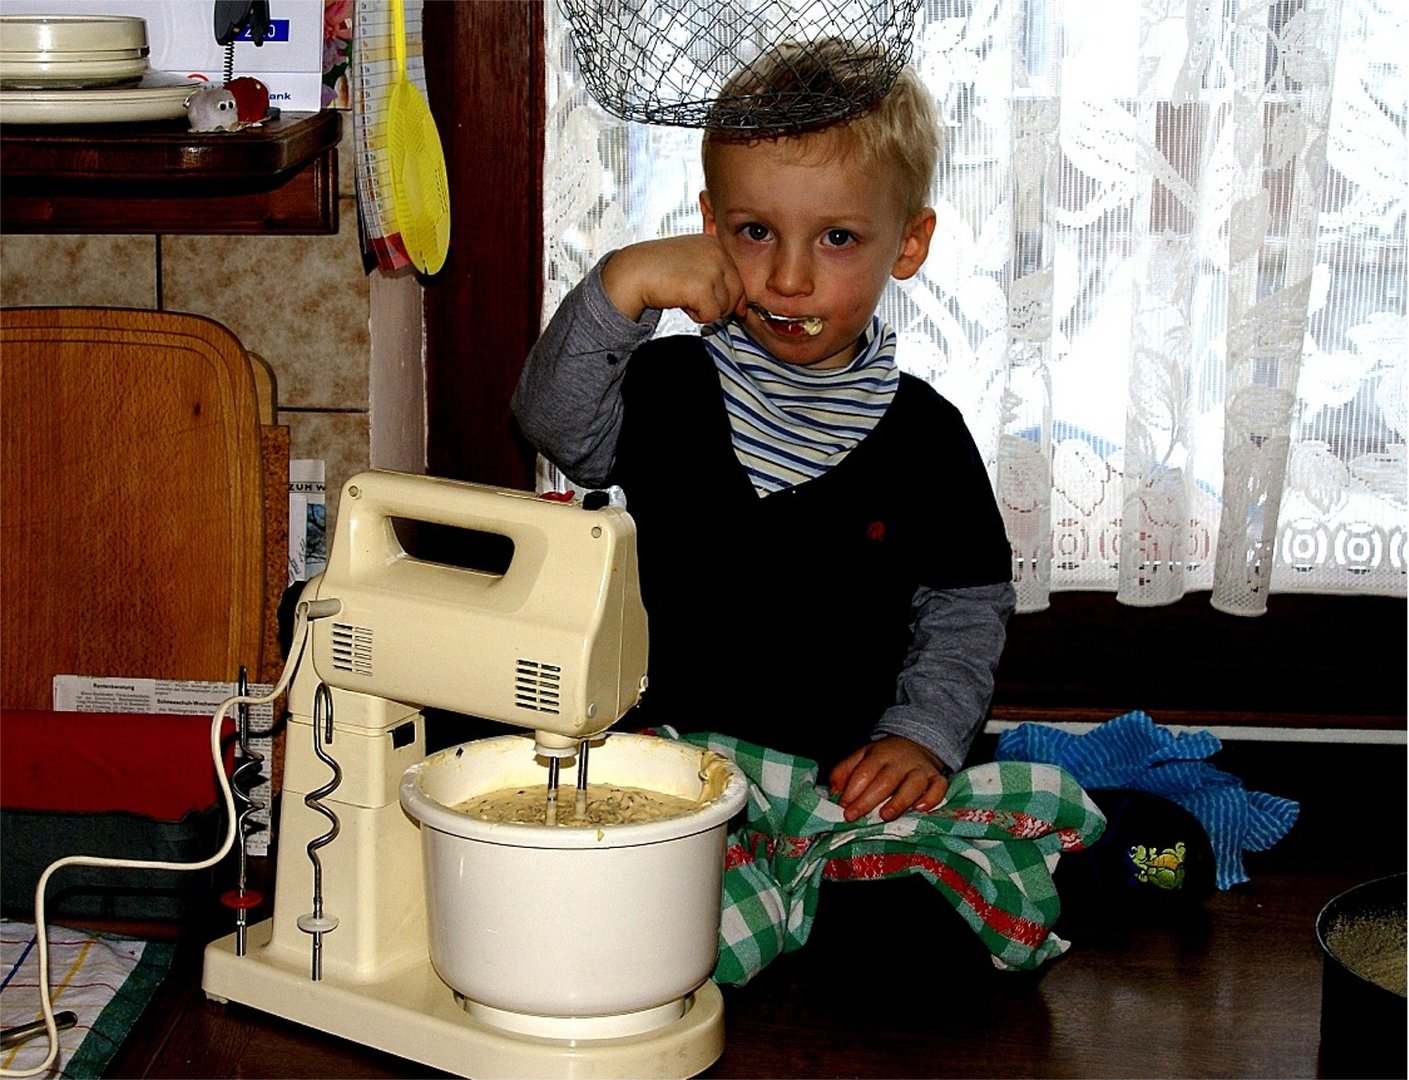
[1167, 288]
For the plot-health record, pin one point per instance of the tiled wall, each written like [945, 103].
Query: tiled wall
[303, 303]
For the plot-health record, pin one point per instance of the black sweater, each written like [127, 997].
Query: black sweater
[785, 620]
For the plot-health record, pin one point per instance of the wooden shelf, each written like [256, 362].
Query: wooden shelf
[161, 177]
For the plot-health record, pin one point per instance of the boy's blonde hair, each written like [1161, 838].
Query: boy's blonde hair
[828, 78]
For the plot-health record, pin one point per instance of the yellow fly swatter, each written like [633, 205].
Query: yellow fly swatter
[420, 189]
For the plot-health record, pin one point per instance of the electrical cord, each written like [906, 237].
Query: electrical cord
[304, 614]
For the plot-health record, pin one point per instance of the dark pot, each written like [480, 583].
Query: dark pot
[1362, 1022]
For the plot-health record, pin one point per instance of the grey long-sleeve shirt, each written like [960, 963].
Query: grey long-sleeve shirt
[568, 403]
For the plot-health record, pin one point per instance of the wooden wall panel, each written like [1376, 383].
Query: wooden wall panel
[484, 75]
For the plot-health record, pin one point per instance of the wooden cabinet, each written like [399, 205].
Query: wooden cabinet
[280, 178]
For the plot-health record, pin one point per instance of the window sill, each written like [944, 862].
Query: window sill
[1312, 662]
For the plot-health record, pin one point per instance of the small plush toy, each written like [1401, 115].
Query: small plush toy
[251, 98]
[239, 103]
[212, 108]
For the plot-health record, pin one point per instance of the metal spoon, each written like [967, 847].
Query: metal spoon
[12, 1035]
[811, 324]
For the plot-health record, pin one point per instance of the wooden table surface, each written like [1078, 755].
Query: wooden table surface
[1230, 988]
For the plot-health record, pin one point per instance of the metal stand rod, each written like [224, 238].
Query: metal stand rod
[242, 782]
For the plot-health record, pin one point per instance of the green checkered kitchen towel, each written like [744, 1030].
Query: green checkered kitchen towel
[989, 849]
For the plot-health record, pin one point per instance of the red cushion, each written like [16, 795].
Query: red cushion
[156, 765]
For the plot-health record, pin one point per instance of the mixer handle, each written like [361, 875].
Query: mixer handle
[385, 493]
[371, 499]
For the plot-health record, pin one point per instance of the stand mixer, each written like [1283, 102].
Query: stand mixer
[556, 644]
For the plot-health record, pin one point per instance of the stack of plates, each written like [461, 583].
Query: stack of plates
[82, 69]
[71, 52]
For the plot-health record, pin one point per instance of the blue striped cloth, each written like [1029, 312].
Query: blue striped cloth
[1133, 752]
[789, 423]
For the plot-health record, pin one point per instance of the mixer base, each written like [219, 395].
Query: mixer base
[414, 1015]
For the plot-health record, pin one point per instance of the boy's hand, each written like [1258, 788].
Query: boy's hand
[692, 273]
[895, 771]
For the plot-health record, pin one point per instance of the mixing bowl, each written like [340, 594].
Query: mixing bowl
[1361, 933]
[574, 932]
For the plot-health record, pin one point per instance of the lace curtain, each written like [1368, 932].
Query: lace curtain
[1167, 288]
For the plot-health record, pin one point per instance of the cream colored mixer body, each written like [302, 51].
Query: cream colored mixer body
[555, 644]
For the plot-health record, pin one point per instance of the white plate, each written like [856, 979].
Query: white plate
[159, 96]
[69, 57]
[36, 75]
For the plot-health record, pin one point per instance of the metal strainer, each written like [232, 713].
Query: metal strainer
[689, 63]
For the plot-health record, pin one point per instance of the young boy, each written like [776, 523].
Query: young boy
[823, 563]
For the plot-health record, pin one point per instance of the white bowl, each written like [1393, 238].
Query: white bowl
[56, 35]
[573, 932]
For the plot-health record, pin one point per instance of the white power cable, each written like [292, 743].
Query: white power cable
[305, 611]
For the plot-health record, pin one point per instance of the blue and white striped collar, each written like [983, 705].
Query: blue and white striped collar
[789, 423]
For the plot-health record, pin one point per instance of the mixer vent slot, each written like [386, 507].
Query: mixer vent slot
[537, 686]
[352, 649]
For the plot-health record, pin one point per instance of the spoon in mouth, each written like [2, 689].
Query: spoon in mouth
[811, 324]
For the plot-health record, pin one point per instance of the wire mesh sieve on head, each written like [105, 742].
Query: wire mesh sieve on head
[751, 66]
